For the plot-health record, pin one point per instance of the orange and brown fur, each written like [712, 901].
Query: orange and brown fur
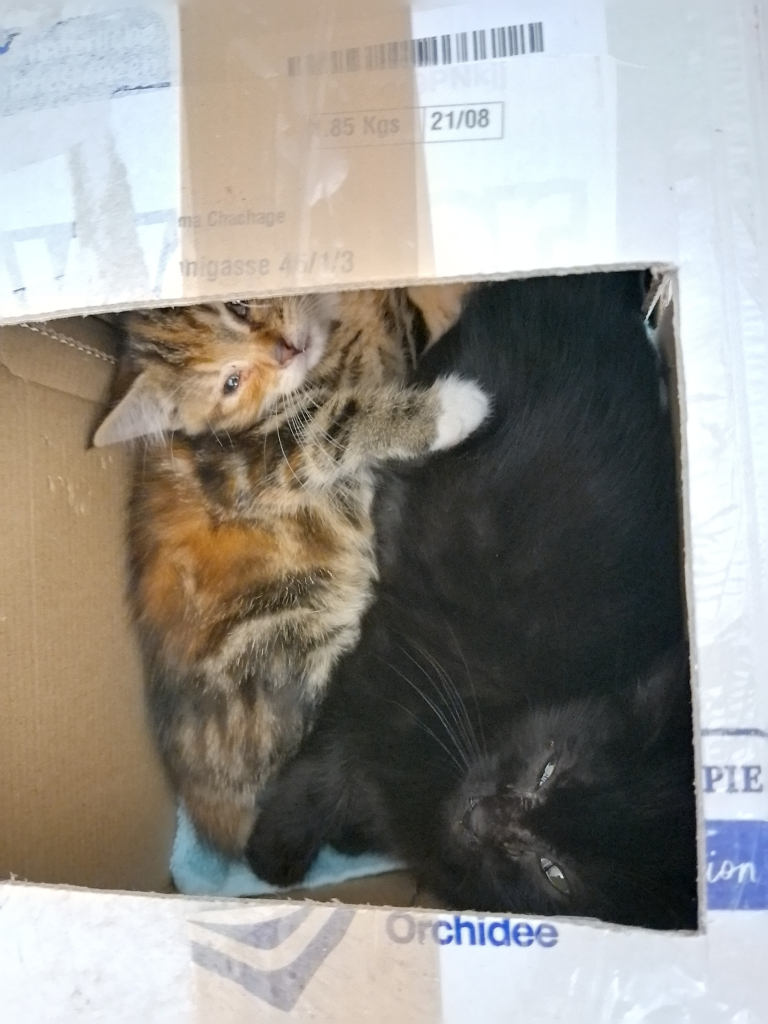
[251, 543]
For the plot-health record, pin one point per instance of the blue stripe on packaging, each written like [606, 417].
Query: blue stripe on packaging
[737, 865]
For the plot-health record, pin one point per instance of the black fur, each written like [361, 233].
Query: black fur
[528, 617]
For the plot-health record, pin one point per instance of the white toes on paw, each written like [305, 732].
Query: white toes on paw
[463, 407]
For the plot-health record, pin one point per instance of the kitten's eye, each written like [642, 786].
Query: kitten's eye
[231, 384]
[240, 309]
[554, 875]
[547, 773]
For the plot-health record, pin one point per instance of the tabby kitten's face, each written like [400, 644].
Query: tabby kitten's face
[219, 366]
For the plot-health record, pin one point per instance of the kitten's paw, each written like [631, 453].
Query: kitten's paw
[463, 407]
[275, 859]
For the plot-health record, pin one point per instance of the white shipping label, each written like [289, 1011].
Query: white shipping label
[476, 33]
[507, 108]
[527, 89]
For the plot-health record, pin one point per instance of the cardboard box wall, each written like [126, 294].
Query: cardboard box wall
[637, 137]
[82, 798]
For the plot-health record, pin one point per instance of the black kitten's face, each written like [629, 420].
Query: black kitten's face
[501, 819]
[576, 813]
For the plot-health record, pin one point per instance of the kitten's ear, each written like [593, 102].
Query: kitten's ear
[663, 690]
[440, 305]
[142, 411]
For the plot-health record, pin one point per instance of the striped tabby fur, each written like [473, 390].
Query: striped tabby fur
[251, 545]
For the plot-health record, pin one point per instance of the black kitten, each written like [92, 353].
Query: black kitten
[583, 807]
[515, 722]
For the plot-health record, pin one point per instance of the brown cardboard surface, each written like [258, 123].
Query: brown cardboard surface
[395, 889]
[73, 355]
[296, 156]
[82, 797]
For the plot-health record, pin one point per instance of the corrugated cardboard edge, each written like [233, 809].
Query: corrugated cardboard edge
[358, 284]
[76, 357]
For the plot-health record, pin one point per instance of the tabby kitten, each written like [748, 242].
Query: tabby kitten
[251, 543]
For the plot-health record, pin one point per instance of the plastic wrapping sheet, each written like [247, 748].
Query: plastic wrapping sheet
[660, 160]
[718, 165]
[87, 216]
[476, 139]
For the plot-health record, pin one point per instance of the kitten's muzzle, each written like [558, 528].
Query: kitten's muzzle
[495, 819]
[285, 352]
[293, 345]
[483, 817]
[475, 819]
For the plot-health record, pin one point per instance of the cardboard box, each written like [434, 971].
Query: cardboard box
[154, 154]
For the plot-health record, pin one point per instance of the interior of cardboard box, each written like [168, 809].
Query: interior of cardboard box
[83, 798]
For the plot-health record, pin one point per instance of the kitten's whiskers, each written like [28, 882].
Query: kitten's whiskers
[309, 430]
[451, 733]
[214, 432]
[426, 728]
[452, 699]
[299, 481]
[453, 692]
[471, 682]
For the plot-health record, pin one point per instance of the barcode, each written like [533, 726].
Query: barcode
[430, 51]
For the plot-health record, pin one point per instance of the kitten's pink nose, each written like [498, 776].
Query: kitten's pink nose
[284, 352]
[477, 818]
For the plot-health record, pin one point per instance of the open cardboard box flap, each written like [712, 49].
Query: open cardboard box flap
[297, 148]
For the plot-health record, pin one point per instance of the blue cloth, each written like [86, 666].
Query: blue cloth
[198, 870]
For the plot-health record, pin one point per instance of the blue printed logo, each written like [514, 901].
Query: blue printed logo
[737, 865]
[403, 928]
[282, 986]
